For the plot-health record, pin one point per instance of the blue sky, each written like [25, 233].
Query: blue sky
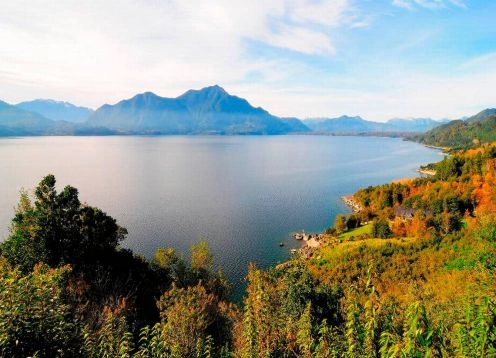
[307, 58]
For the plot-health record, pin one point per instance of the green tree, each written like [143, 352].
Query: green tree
[381, 229]
[21, 249]
[352, 221]
[59, 230]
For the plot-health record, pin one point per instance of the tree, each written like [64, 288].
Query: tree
[190, 317]
[352, 221]
[34, 319]
[380, 228]
[59, 230]
[21, 249]
[202, 259]
[340, 223]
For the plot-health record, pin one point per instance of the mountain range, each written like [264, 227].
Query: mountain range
[210, 110]
[358, 125]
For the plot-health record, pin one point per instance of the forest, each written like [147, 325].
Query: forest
[462, 134]
[412, 274]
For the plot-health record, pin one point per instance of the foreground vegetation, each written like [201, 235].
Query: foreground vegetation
[410, 275]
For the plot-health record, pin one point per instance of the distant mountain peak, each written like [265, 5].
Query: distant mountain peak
[147, 94]
[209, 91]
[48, 100]
[56, 110]
[207, 110]
[346, 117]
[214, 88]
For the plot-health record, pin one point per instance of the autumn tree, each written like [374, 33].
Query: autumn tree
[340, 223]
[190, 317]
[34, 318]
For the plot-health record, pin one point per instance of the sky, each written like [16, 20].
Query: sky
[379, 59]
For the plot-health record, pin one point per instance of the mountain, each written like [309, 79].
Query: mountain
[413, 124]
[460, 134]
[210, 110]
[57, 110]
[343, 124]
[486, 113]
[15, 121]
[358, 125]
[295, 125]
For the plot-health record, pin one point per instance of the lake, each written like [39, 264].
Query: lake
[242, 194]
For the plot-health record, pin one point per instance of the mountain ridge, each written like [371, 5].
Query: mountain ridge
[210, 110]
[356, 124]
[16, 121]
[57, 110]
[482, 115]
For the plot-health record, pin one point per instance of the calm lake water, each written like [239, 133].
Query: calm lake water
[244, 195]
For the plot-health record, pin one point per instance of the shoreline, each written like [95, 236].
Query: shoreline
[429, 172]
[309, 243]
[444, 149]
[351, 202]
[312, 242]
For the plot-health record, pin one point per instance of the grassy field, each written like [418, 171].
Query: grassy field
[349, 243]
[362, 230]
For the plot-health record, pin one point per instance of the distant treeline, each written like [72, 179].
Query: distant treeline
[461, 134]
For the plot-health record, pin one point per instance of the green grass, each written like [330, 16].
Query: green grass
[362, 230]
[350, 242]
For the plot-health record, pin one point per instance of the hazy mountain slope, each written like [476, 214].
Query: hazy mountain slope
[16, 121]
[413, 124]
[347, 124]
[57, 110]
[343, 124]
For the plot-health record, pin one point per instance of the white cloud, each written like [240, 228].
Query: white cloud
[300, 39]
[399, 92]
[99, 51]
[96, 52]
[406, 4]
[428, 4]
[486, 61]
[326, 12]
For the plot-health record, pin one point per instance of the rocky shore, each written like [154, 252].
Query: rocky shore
[310, 242]
[352, 203]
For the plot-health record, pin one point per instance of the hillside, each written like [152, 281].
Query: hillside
[482, 115]
[459, 134]
[210, 110]
[57, 110]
